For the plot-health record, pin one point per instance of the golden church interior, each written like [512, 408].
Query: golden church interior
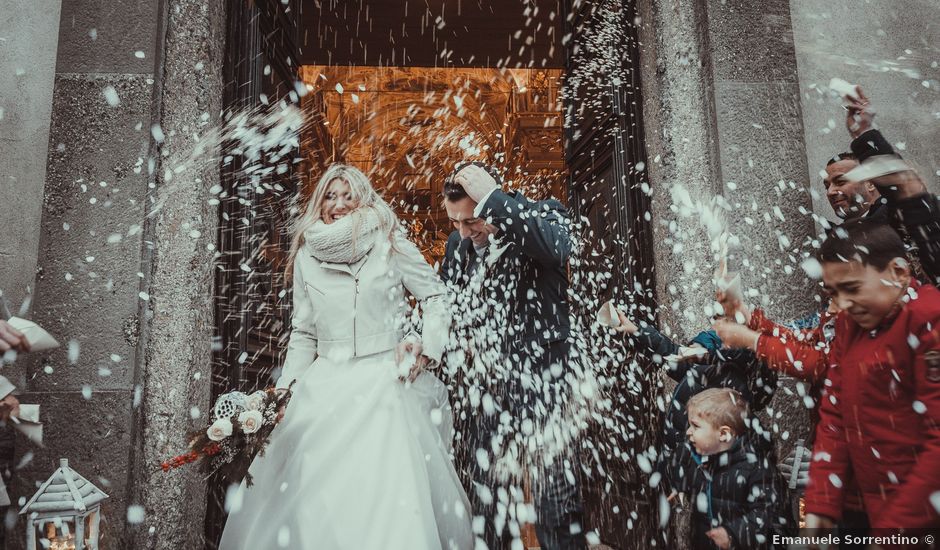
[406, 128]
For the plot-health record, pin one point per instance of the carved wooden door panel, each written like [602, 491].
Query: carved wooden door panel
[260, 70]
[606, 160]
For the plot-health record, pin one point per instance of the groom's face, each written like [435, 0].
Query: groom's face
[469, 226]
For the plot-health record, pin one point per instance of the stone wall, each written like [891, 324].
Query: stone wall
[890, 49]
[175, 360]
[29, 35]
[90, 247]
[723, 117]
[124, 290]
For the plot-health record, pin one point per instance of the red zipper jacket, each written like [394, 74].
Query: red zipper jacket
[804, 355]
[880, 418]
[797, 353]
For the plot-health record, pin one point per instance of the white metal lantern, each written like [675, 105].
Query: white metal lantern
[65, 512]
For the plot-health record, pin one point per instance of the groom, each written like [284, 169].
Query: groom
[507, 260]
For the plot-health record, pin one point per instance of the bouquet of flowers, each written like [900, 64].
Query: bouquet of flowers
[240, 430]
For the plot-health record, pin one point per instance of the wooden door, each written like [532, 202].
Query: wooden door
[606, 159]
[260, 72]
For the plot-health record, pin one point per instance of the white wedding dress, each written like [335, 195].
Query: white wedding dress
[361, 460]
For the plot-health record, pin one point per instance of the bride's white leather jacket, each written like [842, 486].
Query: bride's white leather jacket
[343, 310]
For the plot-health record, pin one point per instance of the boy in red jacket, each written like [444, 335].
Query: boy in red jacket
[880, 412]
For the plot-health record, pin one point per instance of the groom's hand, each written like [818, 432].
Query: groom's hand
[476, 182]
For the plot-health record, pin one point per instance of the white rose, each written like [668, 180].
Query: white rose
[255, 401]
[251, 421]
[220, 429]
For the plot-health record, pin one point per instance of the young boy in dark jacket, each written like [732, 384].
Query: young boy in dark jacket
[736, 498]
[738, 369]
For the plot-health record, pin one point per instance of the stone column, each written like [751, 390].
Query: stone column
[761, 149]
[722, 116]
[87, 283]
[178, 324]
[681, 143]
[27, 72]
[764, 173]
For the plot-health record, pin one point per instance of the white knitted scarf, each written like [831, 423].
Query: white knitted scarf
[346, 240]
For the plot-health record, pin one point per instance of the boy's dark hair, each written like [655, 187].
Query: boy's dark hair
[871, 242]
[842, 156]
[454, 192]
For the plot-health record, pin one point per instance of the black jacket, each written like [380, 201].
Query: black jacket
[918, 216]
[740, 491]
[530, 276]
[737, 369]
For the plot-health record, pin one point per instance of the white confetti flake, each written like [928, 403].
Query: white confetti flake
[283, 537]
[644, 463]
[483, 460]
[665, 511]
[74, 349]
[135, 514]
[835, 480]
[701, 503]
[812, 267]
[111, 96]
[157, 132]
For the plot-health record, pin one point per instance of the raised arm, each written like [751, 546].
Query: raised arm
[542, 229]
[421, 281]
[797, 353]
[906, 193]
[302, 345]
[915, 208]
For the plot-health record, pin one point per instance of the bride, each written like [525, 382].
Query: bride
[361, 460]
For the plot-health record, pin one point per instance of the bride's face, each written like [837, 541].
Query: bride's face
[338, 201]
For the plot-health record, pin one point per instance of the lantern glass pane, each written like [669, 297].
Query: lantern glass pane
[57, 533]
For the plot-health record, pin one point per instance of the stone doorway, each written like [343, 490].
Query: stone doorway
[405, 110]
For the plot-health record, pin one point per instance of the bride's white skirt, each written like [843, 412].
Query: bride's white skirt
[360, 462]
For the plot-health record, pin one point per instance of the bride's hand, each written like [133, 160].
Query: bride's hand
[283, 408]
[412, 348]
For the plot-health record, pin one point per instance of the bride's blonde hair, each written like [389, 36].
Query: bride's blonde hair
[362, 192]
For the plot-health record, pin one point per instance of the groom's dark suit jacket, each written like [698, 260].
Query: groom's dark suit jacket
[530, 276]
